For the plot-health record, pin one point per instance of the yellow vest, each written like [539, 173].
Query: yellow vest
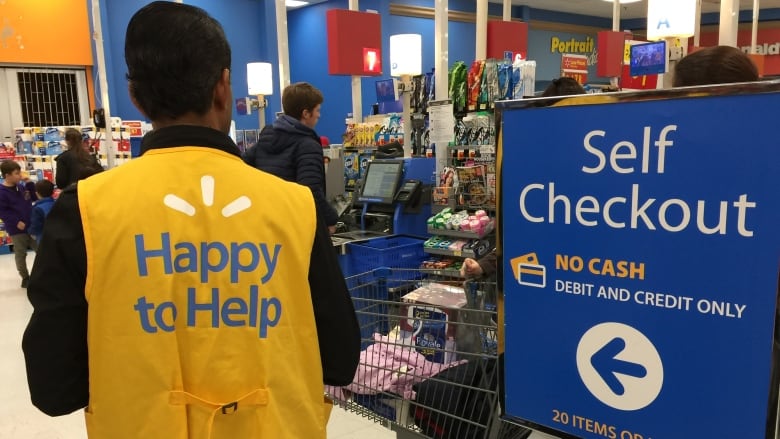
[200, 315]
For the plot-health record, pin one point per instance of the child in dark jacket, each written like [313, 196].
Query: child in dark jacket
[15, 209]
[44, 190]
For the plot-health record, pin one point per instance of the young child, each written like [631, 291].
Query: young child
[43, 189]
[15, 209]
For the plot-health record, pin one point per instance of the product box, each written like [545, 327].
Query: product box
[7, 150]
[39, 147]
[53, 147]
[53, 134]
[429, 311]
[351, 169]
[134, 128]
[37, 134]
[23, 140]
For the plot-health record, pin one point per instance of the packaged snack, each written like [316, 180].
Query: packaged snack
[475, 83]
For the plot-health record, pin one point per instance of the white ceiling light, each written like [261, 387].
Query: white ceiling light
[295, 3]
[611, 1]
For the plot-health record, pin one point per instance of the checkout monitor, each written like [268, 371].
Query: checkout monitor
[380, 183]
[648, 58]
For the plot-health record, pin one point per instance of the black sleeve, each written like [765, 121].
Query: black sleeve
[63, 171]
[488, 263]
[337, 325]
[310, 171]
[55, 341]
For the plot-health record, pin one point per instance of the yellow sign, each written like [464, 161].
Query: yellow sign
[571, 46]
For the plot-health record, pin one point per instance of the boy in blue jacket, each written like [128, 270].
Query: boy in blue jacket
[15, 209]
[44, 190]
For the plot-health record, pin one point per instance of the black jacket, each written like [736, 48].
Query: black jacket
[55, 341]
[290, 150]
[488, 264]
[70, 170]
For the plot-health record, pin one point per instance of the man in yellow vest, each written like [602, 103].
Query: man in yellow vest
[186, 294]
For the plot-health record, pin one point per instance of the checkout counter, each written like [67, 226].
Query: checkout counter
[392, 198]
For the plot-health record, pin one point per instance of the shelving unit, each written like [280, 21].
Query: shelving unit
[448, 252]
[458, 233]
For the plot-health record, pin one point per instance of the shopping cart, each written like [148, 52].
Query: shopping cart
[429, 363]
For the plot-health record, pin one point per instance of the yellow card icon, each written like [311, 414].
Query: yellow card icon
[529, 258]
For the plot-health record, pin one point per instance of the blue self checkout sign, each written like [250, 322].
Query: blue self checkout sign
[641, 248]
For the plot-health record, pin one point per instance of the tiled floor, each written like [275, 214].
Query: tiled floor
[20, 420]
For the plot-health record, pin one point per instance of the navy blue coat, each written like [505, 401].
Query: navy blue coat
[290, 150]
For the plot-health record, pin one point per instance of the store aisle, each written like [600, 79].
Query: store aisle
[20, 420]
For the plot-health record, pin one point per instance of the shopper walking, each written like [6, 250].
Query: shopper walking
[292, 150]
[16, 198]
[207, 305]
[76, 162]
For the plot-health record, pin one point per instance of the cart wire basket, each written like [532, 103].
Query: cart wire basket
[429, 364]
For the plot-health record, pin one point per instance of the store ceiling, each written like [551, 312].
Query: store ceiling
[601, 8]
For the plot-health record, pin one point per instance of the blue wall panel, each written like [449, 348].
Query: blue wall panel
[242, 22]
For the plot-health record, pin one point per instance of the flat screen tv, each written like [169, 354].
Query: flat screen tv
[648, 58]
[385, 90]
[381, 180]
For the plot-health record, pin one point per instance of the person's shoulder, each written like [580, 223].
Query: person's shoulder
[63, 156]
[309, 145]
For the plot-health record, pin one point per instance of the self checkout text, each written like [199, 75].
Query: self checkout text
[633, 208]
[206, 305]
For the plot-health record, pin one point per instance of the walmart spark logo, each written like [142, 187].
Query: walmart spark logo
[179, 204]
[226, 282]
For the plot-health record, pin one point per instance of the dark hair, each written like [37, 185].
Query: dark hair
[298, 97]
[175, 55]
[562, 87]
[44, 188]
[715, 65]
[76, 146]
[9, 166]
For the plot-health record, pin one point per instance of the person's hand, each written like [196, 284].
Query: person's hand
[332, 229]
[470, 268]
[20, 225]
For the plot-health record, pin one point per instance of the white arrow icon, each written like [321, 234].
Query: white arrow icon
[620, 366]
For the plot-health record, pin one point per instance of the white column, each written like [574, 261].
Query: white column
[754, 34]
[616, 15]
[614, 81]
[507, 13]
[97, 27]
[482, 10]
[441, 48]
[441, 55]
[697, 25]
[357, 83]
[282, 46]
[729, 22]
[406, 115]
